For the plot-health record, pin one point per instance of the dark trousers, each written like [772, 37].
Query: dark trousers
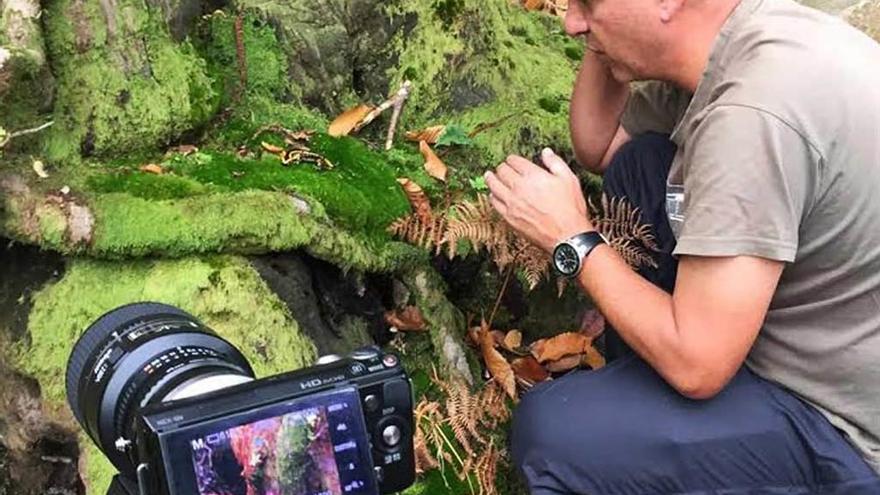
[623, 430]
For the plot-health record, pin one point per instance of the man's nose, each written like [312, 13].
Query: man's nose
[576, 22]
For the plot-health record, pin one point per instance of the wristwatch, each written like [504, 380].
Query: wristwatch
[569, 255]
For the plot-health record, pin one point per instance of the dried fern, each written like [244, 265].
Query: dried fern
[424, 231]
[620, 223]
[477, 222]
[470, 416]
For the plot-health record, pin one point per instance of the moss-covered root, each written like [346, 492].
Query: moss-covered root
[121, 226]
[225, 292]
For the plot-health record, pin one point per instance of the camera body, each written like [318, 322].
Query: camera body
[177, 410]
[358, 408]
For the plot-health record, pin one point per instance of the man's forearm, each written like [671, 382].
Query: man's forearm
[597, 102]
[693, 342]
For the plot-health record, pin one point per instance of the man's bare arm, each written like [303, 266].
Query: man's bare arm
[597, 102]
[698, 337]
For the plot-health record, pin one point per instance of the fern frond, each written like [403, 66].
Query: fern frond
[620, 223]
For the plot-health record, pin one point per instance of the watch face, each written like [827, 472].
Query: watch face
[566, 259]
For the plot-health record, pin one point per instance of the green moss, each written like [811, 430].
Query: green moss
[146, 185]
[266, 63]
[574, 52]
[514, 56]
[552, 104]
[52, 224]
[223, 291]
[121, 91]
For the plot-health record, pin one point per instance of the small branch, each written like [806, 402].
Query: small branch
[23, 132]
[398, 99]
[402, 95]
[501, 294]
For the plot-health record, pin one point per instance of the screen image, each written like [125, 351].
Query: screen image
[312, 446]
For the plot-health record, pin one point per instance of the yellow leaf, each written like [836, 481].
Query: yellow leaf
[40, 169]
[348, 120]
[433, 165]
[430, 135]
[512, 340]
[152, 168]
[271, 148]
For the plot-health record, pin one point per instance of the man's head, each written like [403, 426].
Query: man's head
[648, 39]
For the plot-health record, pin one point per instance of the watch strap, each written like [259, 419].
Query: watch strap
[583, 244]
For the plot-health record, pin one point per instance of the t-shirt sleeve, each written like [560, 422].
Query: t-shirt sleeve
[749, 180]
[654, 106]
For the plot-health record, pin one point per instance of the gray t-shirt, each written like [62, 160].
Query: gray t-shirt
[779, 157]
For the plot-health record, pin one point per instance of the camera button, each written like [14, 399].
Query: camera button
[371, 403]
[390, 360]
[391, 435]
[358, 369]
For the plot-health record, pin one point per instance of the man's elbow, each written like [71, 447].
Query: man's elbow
[700, 383]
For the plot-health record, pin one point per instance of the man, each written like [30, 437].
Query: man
[768, 184]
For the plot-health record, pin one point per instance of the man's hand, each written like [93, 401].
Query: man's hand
[544, 206]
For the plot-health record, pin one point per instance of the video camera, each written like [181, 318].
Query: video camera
[177, 411]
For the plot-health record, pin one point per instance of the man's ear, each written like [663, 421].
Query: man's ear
[669, 9]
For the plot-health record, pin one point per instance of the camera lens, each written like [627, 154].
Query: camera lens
[140, 354]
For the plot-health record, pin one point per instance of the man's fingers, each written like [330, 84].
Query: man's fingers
[554, 163]
[520, 164]
[506, 174]
[499, 191]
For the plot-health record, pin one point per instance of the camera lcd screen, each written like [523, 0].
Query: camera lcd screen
[315, 445]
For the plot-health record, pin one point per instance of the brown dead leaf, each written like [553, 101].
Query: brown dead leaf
[417, 199]
[565, 363]
[528, 369]
[512, 340]
[561, 345]
[533, 4]
[592, 358]
[348, 120]
[409, 319]
[433, 164]
[152, 168]
[498, 367]
[430, 134]
[592, 324]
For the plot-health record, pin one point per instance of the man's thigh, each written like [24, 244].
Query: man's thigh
[623, 430]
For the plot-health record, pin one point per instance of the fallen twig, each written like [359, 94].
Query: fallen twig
[23, 132]
[395, 101]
